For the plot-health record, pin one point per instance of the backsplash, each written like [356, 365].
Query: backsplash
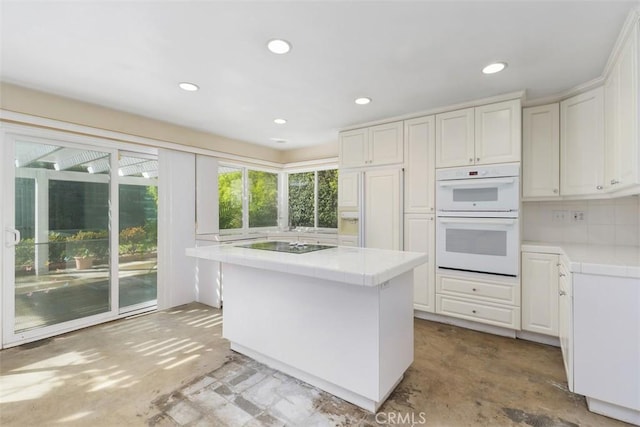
[604, 222]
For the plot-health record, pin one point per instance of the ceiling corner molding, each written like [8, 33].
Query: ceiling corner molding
[633, 19]
[328, 163]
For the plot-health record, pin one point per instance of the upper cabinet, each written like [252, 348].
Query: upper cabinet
[372, 146]
[541, 151]
[476, 136]
[582, 144]
[419, 148]
[622, 155]
[455, 141]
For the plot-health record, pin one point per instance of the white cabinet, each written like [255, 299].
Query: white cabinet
[565, 319]
[582, 144]
[540, 293]
[419, 236]
[606, 343]
[419, 148]
[348, 241]
[488, 299]
[206, 195]
[482, 135]
[382, 210]
[541, 151]
[622, 155]
[353, 148]
[455, 140]
[498, 133]
[348, 189]
[372, 146]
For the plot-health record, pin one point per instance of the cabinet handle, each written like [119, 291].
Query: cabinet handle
[477, 159]
[471, 160]
[473, 311]
[555, 191]
[562, 275]
[474, 289]
[599, 187]
[562, 293]
[614, 182]
[558, 265]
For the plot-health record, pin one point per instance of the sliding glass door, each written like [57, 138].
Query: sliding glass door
[61, 263]
[80, 238]
[138, 231]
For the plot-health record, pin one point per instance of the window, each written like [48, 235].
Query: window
[313, 199]
[247, 198]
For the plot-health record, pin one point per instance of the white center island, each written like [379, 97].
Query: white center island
[340, 319]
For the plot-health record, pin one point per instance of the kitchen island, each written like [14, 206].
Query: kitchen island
[340, 318]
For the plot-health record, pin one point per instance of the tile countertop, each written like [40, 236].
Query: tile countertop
[621, 261]
[357, 266]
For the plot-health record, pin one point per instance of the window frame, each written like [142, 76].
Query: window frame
[245, 196]
[315, 170]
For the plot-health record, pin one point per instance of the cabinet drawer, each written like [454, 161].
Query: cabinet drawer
[504, 316]
[503, 293]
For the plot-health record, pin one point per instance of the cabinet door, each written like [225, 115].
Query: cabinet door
[419, 236]
[611, 114]
[541, 151]
[382, 221]
[628, 151]
[582, 144]
[455, 138]
[540, 293]
[419, 148]
[565, 321]
[497, 132]
[353, 148]
[385, 144]
[348, 189]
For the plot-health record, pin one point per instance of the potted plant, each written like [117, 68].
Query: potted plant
[84, 259]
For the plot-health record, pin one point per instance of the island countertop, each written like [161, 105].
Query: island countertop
[351, 265]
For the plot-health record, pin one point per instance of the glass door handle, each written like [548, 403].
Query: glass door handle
[15, 234]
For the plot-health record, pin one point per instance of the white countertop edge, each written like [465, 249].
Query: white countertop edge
[619, 261]
[375, 276]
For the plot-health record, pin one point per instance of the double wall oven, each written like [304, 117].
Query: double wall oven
[477, 224]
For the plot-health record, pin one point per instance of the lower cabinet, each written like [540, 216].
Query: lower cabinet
[540, 293]
[491, 300]
[565, 319]
[419, 236]
[347, 240]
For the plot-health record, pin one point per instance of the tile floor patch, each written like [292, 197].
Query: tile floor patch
[246, 393]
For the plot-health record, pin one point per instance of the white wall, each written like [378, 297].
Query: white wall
[176, 228]
[606, 222]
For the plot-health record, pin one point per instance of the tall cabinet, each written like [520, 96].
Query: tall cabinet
[419, 205]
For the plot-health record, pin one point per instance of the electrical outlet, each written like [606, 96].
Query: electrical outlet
[577, 215]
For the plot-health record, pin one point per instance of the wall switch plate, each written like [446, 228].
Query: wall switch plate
[558, 216]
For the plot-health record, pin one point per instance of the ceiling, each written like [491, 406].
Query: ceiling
[406, 56]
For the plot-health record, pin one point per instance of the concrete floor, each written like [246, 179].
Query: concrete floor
[174, 368]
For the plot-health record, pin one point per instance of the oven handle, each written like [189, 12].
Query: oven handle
[481, 182]
[482, 221]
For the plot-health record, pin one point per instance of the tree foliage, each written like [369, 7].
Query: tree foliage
[328, 198]
[301, 199]
[230, 199]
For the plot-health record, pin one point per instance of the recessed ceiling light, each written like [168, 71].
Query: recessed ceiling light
[362, 101]
[494, 67]
[189, 87]
[279, 140]
[279, 46]
[279, 121]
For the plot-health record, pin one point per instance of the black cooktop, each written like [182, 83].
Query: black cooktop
[292, 248]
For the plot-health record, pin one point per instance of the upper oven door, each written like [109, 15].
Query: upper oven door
[480, 194]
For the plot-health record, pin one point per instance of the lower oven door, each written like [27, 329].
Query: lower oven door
[486, 245]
